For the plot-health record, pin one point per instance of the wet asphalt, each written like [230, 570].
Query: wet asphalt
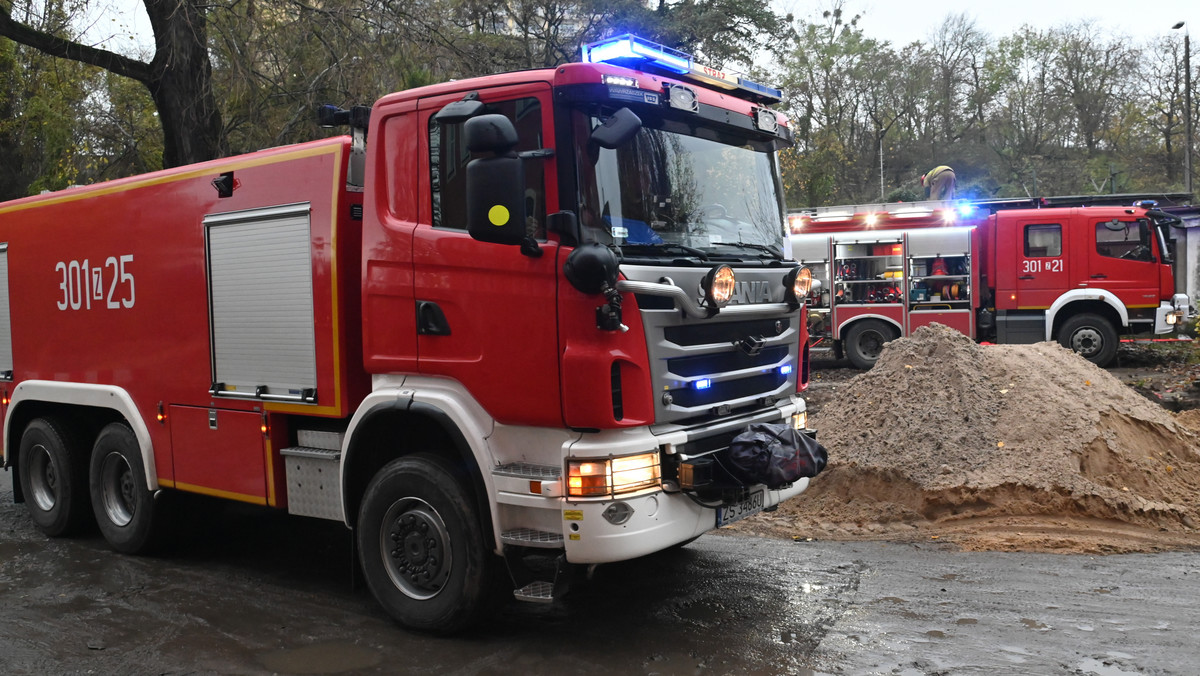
[248, 591]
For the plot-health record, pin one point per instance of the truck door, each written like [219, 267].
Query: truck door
[486, 313]
[1039, 267]
[1124, 259]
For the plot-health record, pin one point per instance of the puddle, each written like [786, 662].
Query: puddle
[321, 658]
[1034, 624]
[1101, 668]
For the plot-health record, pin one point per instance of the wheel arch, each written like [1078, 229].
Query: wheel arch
[1079, 301]
[846, 325]
[88, 406]
[392, 427]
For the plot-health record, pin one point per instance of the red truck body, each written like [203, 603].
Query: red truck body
[1081, 275]
[323, 328]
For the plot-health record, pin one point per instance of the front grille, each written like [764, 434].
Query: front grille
[685, 351]
[734, 362]
[729, 332]
[730, 390]
[723, 362]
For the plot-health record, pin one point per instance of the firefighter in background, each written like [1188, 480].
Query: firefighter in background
[939, 183]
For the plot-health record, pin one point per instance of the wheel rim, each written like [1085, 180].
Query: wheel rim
[117, 489]
[870, 344]
[415, 545]
[1087, 341]
[43, 478]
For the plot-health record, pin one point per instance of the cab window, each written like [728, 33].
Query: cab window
[1129, 240]
[1043, 240]
[448, 158]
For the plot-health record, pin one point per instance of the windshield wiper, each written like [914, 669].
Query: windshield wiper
[666, 247]
[777, 255]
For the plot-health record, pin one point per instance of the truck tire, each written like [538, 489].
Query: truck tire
[53, 471]
[422, 548]
[1091, 337]
[125, 508]
[864, 341]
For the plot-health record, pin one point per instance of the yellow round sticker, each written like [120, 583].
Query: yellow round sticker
[498, 215]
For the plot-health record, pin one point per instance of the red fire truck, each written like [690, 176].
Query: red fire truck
[1019, 271]
[527, 319]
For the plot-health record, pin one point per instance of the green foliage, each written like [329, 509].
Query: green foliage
[41, 100]
[1044, 110]
[904, 195]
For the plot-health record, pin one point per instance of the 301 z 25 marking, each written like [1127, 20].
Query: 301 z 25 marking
[81, 284]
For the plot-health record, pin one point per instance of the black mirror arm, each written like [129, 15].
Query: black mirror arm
[531, 248]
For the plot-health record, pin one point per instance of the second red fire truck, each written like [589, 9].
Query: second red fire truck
[1015, 272]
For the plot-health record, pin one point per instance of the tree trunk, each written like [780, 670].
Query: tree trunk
[179, 77]
[181, 82]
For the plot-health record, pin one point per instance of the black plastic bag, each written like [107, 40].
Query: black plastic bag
[775, 455]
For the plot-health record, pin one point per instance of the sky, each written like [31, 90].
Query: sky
[903, 22]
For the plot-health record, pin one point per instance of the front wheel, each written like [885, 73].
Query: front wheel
[864, 342]
[1091, 336]
[422, 547]
[124, 506]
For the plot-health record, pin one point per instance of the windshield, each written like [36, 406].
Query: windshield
[681, 189]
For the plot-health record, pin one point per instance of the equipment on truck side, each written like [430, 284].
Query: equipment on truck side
[515, 332]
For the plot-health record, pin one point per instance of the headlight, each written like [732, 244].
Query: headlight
[797, 282]
[611, 476]
[718, 286]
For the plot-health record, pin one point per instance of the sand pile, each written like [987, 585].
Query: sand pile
[998, 447]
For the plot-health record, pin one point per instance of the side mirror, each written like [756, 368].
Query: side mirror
[617, 130]
[591, 268]
[495, 184]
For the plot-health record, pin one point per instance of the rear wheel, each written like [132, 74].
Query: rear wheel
[1091, 336]
[53, 470]
[422, 547]
[124, 505]
[864, 341]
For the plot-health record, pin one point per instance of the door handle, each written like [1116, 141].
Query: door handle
[1100, 276]
[431, 321]
[1025, 277]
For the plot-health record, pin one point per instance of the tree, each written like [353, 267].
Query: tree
[178, 77]
[40, 100]
[1091, 71]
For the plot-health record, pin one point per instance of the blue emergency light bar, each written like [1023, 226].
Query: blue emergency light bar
[622, 49]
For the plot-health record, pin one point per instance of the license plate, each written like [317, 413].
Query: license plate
[740, 510]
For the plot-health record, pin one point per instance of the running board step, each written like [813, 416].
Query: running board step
[535, 592]
[531, 568]
[528, 537]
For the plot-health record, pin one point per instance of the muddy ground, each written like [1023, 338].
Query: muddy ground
[1005, 448]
